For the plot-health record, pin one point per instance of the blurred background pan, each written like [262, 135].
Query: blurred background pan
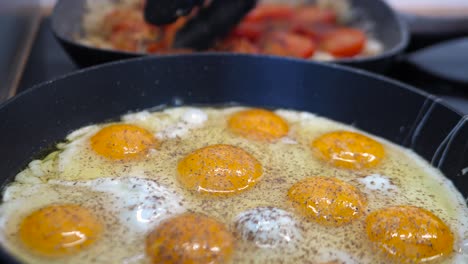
[431, 21]
[67, 20]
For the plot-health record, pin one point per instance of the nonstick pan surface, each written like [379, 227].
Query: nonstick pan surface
[387, 28]
[40, 117]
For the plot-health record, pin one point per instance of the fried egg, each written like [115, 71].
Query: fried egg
[77, 221]
[348, 150]
[231, 185]
[219, 170]
[268, 227]
[327, 200]
[129, 147]
[172, 123]
[378, 183]
[139, 203]
[258, 124]
[409, 234]
[190, 238]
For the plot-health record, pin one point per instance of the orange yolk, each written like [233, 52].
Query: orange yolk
[123, 142]
[258, 124]
[327, 201]
[219, 170]
[59, 230]
[348, 150]
[190, 239]
[409, 234]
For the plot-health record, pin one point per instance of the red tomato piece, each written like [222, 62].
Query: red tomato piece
[270, 12]
[175, 51]
[122, 41]
[125, 20]
[289, 44]
[313, 14]
[305, 30]
[240, 45]
[249, 30]
[314, 31]
[126, 28]
[154, 47]
[344, 42]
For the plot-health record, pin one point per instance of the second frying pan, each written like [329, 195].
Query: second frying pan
[67, 19]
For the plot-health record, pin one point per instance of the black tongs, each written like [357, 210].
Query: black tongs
[213, 21]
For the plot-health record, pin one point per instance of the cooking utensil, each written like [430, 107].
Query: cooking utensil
[220, 17]
[67, 17]
[445, 60]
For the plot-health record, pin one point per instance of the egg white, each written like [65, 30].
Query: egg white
[139, 203]
[170, 123]
[328, 255]
[268, 227]
[378, 183]
[76, 160]
[401, 178]
[132, 208]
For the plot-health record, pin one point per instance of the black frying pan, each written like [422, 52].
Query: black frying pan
[40, 117]
[67, 17]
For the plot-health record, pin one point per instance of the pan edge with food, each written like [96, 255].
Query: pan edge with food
[388, 28]
[35, 120]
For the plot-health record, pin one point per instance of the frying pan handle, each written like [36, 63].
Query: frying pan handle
[428, 30]
[436, 50]
[452, 154]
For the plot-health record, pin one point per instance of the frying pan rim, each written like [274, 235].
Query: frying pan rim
[340, 67]
[395, 50]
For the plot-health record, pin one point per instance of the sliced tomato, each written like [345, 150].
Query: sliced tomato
[289, 44]
[154, 47]
[175, 51]
[312, 14]
[305, 30]
[245, 46]
[139, 30]
[124, 20]
[240, 45]
[122, 41]
[265, 12]
[314, 31]
[111, 19]
[344, 42]
[249, 30]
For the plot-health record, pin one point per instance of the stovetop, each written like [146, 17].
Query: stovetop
[47, 60]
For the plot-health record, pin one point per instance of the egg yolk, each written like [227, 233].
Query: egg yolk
[327, 201]
[59, 230]
[219, 170]
[123, 142]
[258, 124]
[409, 234]
[348, 150]
[190, 239]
